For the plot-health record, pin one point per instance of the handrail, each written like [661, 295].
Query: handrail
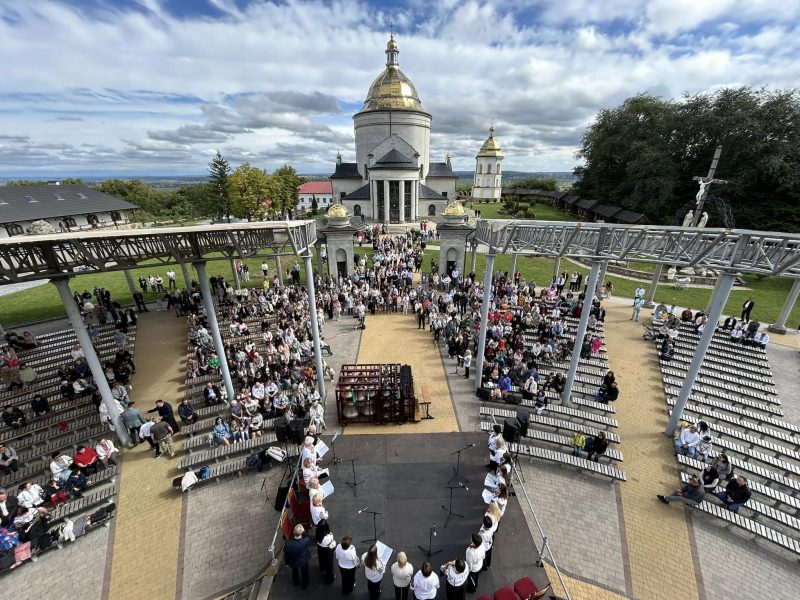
[271, 549]
[545, 545]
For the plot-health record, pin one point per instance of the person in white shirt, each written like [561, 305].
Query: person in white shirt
[497, 431]
[314, 489]
[318, 511]
[144, 434]
[348, 561]
[59, 467]
[499, 452]
[374, 570]
[475, 555]
[309, 451]
[325, 547]
[317, 414]
[31, 496]
[467, 362]
[426, 583]
[456, 574]
[687, 442]
[402, 572]
[487, 535]
[310, 470]
[106, 452]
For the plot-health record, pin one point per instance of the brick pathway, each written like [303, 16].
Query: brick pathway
[146, 545]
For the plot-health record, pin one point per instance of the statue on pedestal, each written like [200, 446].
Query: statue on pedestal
[687, 220]
[703, 220]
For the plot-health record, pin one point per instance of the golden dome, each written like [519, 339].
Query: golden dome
[338, 211]
[490, 146]
[454, 209]
[392, 90]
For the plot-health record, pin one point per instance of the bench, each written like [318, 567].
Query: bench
[569, 459]
[199, 441]
[557, 424]
[222, 452]
[698, 393]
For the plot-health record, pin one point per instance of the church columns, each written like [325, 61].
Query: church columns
[402, 200]
[387, 203]
[414, 200]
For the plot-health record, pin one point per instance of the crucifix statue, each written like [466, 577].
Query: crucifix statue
[705, 183]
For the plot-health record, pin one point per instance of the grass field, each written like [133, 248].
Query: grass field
[544, 212]
[43, 302]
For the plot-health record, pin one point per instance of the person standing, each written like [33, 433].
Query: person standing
[133, 419]
[164, 410]
[426, 583]
[638, 303]
[747, 308]
[487, 535]
[467, 362]
[171, 283]
[475, 555]
[265, 269]
[374, 570]
[161, 433]
[348, 561]
[325, 547]
[456, 574]
[297, 556]
[402, 572]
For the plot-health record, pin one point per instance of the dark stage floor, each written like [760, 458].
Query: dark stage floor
[405, 478]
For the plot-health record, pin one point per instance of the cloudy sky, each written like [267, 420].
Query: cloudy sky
[156, 86]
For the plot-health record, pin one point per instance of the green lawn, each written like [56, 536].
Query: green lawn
[544, 212]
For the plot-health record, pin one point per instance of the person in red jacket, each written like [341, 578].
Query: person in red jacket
[86, 460]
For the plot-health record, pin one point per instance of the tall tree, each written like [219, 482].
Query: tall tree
[218, 174]
[643, 154]
[285, 195]
[250, 188]
[535, 183]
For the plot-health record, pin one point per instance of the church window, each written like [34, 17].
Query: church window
[381, 200]
[480, 168]
[407, 198]
[431, 210]
[497, 170]
[357, 210]
[14, 229]
[489, 169]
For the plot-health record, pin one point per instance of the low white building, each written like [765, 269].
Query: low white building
[65, 207]
[322, 191]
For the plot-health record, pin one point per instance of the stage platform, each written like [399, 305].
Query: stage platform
[405, 479]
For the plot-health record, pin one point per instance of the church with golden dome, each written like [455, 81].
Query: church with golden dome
[393, 179]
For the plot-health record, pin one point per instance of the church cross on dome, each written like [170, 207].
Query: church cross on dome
[391, 50]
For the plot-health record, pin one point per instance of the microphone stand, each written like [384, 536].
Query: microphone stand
[334, 461]
[374, 526]
[427, 551]
[449, 510]
[457, 469]
[355, 483]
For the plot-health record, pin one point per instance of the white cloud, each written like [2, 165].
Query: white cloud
[140, 88]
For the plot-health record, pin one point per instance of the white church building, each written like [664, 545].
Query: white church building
[393, 179]
[488, 181]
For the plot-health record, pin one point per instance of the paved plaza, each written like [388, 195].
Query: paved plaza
[611, 540]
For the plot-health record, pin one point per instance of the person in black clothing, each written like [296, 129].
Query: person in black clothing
[186, 412]
[596, 446]
[138, 298]
[297, 556]
[40, 406]
[747, 308]
[736, 494]
[164, 410]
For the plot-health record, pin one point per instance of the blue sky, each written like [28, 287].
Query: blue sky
[157, 86]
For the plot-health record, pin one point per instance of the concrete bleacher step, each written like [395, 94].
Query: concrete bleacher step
[673, 388]
[568, 459]
[548, 421]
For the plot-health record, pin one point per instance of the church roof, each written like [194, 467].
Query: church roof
[346, 171]
[395, 160]
[32, 202]
[361, 193]
[392, 90]
[440, 169]
[427, 193]
[490, 146]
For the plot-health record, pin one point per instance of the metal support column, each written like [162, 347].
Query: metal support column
[601, 278]
[3, 331]
[472, 260]
[236, 281]
[651, 292]
[312, 303]
[556, 267]
[279, 268]
[778, 326]
[320, 264]
[187, 277]
[487, 298]
[566, 398]
[100, 381]
[715, 311]
[513, 264]
[130, 282]
[714, 292]
[208, 303]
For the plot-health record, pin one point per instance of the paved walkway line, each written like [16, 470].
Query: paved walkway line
[394, 338]
[578, 589]
[147, 539]
[659, 543]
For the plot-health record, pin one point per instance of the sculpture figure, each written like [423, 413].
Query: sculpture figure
[703, 220]
[702, 191]
[687, 220]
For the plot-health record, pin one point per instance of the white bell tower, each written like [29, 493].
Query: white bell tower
[488, 180]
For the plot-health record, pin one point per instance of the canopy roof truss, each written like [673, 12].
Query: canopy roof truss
[731, 250]
[45, 256]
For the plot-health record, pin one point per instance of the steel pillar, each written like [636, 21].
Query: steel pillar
[129, 280]
[601, 278]
[714, 292]
[187, 276]
[591, 284]
[718, 302]
[780, 325]
[236, 280]
[487, 298]
[513, 264]
[472, 260]
[279, 268]
[208, 303]
[651, 292]
[100, 381]
[556, 267]
[312, 302]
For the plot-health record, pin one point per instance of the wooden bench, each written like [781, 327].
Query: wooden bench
[569, 459]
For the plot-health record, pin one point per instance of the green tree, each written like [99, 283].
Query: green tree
[284, 194]
[65, 181]
[150, 201]
[250, 187]
[218, 174]
[535, 183]
[643, 154]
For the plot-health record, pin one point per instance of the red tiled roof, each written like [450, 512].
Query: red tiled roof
[316, 187]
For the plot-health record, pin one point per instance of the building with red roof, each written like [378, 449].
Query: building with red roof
[321, 190]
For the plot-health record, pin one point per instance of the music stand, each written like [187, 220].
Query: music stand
[335, 461]
[449, 510]
[355, 483]
[457, 469]
[427, 551]
[374, 526]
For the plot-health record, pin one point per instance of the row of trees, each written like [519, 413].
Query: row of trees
[643, 154]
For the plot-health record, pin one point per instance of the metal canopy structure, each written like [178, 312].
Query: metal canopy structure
[728, 250]
[46, 256]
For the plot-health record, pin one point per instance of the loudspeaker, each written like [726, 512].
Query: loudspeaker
[296, 431]
[282, 429]
[484, 393]
[511, 429]
[524, 419]
[280, 497]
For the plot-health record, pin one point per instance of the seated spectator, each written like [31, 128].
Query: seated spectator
[211, 394]
[106, 452]
[186, 412]
[541, 402]
[256, 421]
[691, 493]
[686, 315]
[752, 329]
[86, 460]
[596, 446]
[30, 495]
[607, 393]
[557, 383]
[710, 479]
[13, 417]
[667, 350]
[11, 378]
[221, 432]
[737, 334]
[81, 387]
[729, 323]
[704, 448]
[759, 340]
[30, 339]
[27, 374]
[723, 466]
[736, 494]
[9, 461]
[54, 494]
[60, 467]
[77, 483]
[686, 443]
[40, 406]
